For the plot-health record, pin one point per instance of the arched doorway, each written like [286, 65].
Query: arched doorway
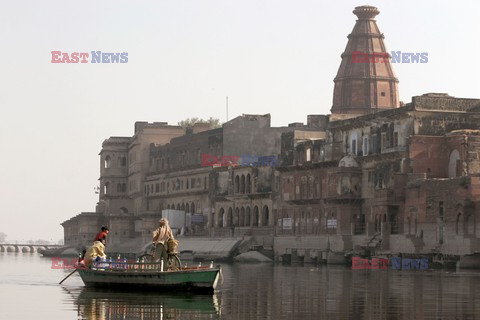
[242, 217]
[255, 216]
[236, 221]
[221, 216]
[265, 216]
[452, 163]
[230, 217]
[237, 184]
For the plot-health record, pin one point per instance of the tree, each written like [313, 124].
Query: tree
[3, 236]
[189, 122]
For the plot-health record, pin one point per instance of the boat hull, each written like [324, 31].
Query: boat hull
[195, 280]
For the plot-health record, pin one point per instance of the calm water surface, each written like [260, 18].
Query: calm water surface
[29, 290]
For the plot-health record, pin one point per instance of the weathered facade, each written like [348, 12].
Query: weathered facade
[372, 175]
[373, 179]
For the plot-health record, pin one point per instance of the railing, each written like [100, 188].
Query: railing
[136, 266]
[358, 228]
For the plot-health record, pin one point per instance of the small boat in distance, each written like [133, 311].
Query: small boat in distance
[150, 276]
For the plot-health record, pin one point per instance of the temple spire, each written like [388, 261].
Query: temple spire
[365, 82]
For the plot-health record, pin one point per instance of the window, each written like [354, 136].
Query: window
[108, 162]
[374, 143]
[124, 161]
[383, 94]
[365, 146]
[395, 139]
[307, 155]
[384, 141]
[354, 147]
[157, 187]
[237, 184]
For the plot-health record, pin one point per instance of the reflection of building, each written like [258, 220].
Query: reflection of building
[375, 173]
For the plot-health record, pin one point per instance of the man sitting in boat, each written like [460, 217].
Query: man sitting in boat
[95, 252]
[161, 236]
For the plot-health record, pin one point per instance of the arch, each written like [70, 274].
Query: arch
[183, 207]
[178, 206]
[459, 224]
[230, 217]
[242, 184]
[123, 210]
[168, 206]
[248, 184]
[221, 217]
[256, 217]
[192, 208]
[123, 161]
[187, 208]
[106, 188]
[248, 217]
[242, 217]
[452, 163]
[237, 184]
[108, 162]
[265, 216]
[124, 187]
[353, 143]
[236, 220]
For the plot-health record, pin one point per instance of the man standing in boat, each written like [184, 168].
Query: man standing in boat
[102, 236]
[161, 236]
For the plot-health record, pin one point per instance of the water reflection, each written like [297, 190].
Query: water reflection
[329, 292]
[253, 291]
[98, 304]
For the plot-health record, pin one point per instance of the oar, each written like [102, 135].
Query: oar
[68, 276]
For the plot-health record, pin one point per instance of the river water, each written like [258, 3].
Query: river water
[29, 289]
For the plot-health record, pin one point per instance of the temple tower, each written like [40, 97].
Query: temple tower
[365, 82]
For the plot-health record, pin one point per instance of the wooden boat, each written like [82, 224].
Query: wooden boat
[150, 276]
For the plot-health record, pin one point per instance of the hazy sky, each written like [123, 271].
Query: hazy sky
[185, 57]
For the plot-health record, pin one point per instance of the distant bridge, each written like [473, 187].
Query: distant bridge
[27, 248]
